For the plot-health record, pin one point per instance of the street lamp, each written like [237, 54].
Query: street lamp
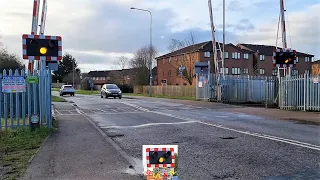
[150, 63]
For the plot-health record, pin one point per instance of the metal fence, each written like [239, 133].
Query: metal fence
[240, 89]
[300, 92]
[17, 108]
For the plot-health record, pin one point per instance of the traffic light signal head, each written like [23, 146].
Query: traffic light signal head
[160, 157]
[284, 57]
[40, 47]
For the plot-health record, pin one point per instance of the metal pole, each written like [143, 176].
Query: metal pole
[224, 35]
[150, 63]
[73, 73]
[150, 79]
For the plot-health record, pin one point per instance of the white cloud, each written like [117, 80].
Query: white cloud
[302, 26]
[98, 32]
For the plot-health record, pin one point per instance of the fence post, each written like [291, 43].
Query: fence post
[23, 106]
[11, 105]
[266, 93]
[1, 101]
[17, 94]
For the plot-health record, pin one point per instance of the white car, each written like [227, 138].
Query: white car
[67, 89]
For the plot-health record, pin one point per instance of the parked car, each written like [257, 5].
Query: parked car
[67, 89]
[111, 90]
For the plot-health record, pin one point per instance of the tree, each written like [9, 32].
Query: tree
[65, 67]
[188, 58]
[141, 62]
[9, 61]
[121, 64]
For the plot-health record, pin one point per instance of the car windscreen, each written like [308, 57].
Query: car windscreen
[112, 86]
[67, 87]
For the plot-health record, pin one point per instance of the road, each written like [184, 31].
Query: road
[212, 144]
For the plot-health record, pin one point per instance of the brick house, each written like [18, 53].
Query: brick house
[237, 61]
[262, 56]
[112, 76]
[241, 59]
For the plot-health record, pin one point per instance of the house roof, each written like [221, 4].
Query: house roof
[105, 73]
[188, 49]
[204, 46]
[265, 49]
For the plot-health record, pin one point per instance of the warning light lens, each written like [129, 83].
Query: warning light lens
[161, 160]
[43, 50]
[287, 61]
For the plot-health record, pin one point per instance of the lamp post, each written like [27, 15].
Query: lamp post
[150, 51]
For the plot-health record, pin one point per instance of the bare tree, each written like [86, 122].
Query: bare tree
[141, 62]
[121, 64]
[188, 56]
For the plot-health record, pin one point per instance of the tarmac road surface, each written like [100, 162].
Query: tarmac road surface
[211, 144]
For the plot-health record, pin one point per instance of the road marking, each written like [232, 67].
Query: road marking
[149, 124]
[78, 111]
[274, 138]
[136, 106]
[288, 141]
[102, 110]
[58, 112]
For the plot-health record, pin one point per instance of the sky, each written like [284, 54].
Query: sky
[98, 32]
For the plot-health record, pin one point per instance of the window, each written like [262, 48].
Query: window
[245, 56]
[94, 78]
[261, 71]
[169, 73]
[226, 55]
[274, 72]
[225, 70]
[261, 57]
[236, 55]
[235, 71]
[207, 54]
[295, 72]
[297, 59]
[308, 59]
[103, 78]
[245, 71]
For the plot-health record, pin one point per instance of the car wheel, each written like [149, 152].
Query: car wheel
[105, 96]
[114, 97]
[120, 97]
[101, 95]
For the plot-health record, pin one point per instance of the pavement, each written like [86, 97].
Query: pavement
[78, 151]
[215, 141]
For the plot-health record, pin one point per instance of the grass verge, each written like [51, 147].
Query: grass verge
[163, 96]
[58, 99]
[87, 92]
[17, 147]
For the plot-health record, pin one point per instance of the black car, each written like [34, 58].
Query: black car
[111, 90]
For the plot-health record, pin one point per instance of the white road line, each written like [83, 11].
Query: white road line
[78, 111]
[57, 111]
[149, 124]
[293, 142]
[274, 138]
[102, 110]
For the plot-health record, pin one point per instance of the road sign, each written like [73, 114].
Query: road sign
[32, 79]
[13, 84]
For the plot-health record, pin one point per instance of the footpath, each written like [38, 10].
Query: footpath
[78, 151]
[300, 116]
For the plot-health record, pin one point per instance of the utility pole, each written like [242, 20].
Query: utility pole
[151, 53]
[73, 73]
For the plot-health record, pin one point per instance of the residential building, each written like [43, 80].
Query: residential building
[315, 68]
[263, 60]
[112, 76]
[237, 61]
